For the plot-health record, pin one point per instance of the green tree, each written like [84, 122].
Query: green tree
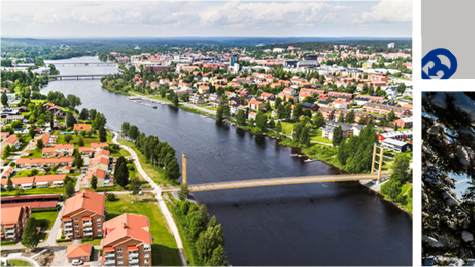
[337, 136]
[351, 117]
[39, 145]
[93, 182]
[80, 142]
[6, 152]
[4, 99]
[391, 115]
[297, 111]
[175, 100]
[391, 189]
[133, 132]
[241, 117]
[172, 170]
[183, 191]
[122, 175]
[226, 111]
[32, 132]
[9, 185]
[208, 241]
[78, 161]
[68, 138]
[278, 128]
[271, 123]
[318, 120]
[341, 118]
[70, 120]
[261, 120]
[400, 169]
[135, 187]
[102, 134]
[125, 128]
[219, 112]
[30, 237]
[69, 189]
[218, 258]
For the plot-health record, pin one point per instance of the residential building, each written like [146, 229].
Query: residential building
[197, 100]
[405, 122]
[341, 104]
[58, 150]
[385, 109]
[127, 241]
[13, 221]
[256, 105]
[79, 252]
[12, 141]
[84, 215]
[44, 162]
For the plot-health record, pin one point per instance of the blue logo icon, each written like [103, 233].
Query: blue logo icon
[439, 63]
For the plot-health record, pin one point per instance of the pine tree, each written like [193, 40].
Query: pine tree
[135, 187]
[93, 182]
[337, 136]
[102, 134]
[122, 175]
[4, 99]
[341, 118]
[279, 127]
[69, 189]
[351, 117]
[9, 185]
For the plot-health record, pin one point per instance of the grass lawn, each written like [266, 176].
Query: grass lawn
[406, 191]
[36, 191]
[28, 174]
[194, 110]
[211, 108]
[154, 173]
[87, 141]
[287, 127]
[45, 218]
[18, 263]
[316, 135]
[120, 152]
[160, 98]
[164, 249]
[95, 242]
[35, 154]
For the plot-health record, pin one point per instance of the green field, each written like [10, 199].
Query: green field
[28, 174]
[87, 141]
[45, 219]
[95, 242]
[36, 191]
[35, 154]
[405, 191]
[18, 263]
[164, 248]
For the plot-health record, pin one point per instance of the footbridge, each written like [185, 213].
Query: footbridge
[276, 181]
[84, 64]
[77, 76]
[375, 174]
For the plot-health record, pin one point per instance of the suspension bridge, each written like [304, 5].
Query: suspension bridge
[374, 175]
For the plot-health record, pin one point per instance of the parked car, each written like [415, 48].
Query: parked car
[76, 262]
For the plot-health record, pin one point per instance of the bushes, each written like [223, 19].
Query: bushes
[62, 240]
[111, 197]
[42, 210]
[6, 243]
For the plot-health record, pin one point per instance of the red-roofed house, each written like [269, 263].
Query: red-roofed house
[79, 252]
[127, 241]
[13, 221]
[58, 150]
[12, 141]
[84, 215]
[82, 127]
[256, 105]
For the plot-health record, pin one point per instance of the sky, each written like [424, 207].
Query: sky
[40, 19]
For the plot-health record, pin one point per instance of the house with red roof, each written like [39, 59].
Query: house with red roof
[84, 215]
[79, 252]
[127, 241]
[12, 141]
[13, 221]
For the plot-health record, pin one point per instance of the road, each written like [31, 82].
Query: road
[158, 195]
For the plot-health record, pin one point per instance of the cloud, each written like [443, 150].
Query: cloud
[231, 18]
[388, 11]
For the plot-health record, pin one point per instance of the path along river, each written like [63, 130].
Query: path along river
[313, 224]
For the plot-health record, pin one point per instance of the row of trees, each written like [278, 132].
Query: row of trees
[356, 153]
[205, 233]
[159, 154]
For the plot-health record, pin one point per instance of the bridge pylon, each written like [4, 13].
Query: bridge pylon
[183, 168]
[380, 162]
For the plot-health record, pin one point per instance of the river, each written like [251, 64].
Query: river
[313, 224]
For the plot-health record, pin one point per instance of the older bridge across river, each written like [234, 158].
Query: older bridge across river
[375, 175]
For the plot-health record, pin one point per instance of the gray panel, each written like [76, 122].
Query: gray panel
[449, 25]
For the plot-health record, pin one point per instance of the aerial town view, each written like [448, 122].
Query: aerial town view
[217, 140]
